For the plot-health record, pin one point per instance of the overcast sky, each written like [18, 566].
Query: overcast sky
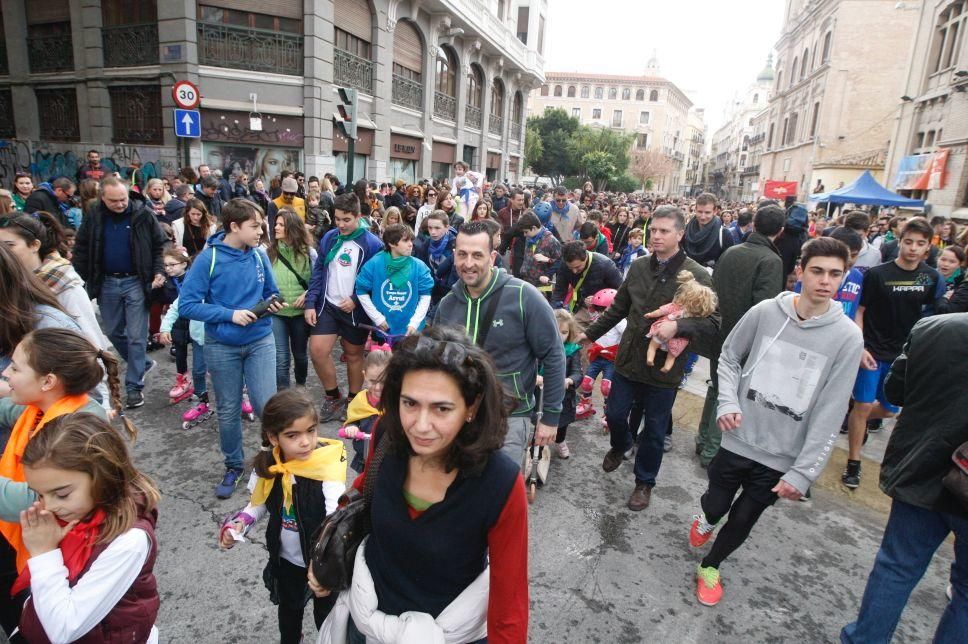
[709, 48]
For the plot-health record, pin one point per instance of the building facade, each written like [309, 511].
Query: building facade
[835, 97]
[438, 81]
[691, 181]
[927, 159]
[652, 108]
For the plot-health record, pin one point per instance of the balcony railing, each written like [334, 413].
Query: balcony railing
[445, 106]
[516, 131]
[751, 169]
[130, 45]
[352, 70]
[472, 117]
[495, 125]
[407, 92]
[259, 50]
[53, 53]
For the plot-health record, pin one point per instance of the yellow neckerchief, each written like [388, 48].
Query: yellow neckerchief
[360, 408]
[572, 300]
[327, 463]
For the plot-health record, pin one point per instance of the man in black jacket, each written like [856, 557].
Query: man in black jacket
[118, 254]
[918, 456]
[53, 197]
[210, 195]
[585, 274]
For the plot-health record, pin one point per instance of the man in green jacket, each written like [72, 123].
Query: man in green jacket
[650, 283]
[744, 276]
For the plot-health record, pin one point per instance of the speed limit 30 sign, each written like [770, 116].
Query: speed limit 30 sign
[186, 95]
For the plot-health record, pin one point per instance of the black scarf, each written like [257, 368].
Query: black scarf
[701, 242]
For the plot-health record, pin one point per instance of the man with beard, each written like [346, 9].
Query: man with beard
[706, 239]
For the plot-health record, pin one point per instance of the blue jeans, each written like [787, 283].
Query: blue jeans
[656, 403]
[124, 310]
[602, 366]
[253, 365]
[291, 334]
[911, 537]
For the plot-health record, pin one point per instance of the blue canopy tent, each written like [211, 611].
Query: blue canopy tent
[866, 191]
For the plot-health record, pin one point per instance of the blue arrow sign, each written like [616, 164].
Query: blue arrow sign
[188, 123]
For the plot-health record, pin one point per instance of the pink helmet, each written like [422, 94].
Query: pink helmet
[604, 298]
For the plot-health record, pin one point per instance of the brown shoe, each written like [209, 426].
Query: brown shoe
[640, 498]
[613, 458]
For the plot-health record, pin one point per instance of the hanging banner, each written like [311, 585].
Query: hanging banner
[779, 189]
[922, 171]
[936, 174]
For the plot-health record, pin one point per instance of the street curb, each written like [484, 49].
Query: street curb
[688, 410]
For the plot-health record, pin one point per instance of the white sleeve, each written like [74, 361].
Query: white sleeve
[367, 303]
[332, 490]
[69, 613]
[423, 305]
[78, 305]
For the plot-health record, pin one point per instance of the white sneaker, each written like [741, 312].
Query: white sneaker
[561, 449]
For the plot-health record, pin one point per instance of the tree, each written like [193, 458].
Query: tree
[599, 167]
[649, 165]
[533, 146]
[554, 130]
[588, 140]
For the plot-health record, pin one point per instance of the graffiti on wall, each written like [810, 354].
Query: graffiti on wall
[46, 161]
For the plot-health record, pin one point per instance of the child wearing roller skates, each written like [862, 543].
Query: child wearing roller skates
[569, 330]
[295, 485]
[362, 413]
[178, 331]
[601, 357]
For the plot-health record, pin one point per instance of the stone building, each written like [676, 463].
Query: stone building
[439, 81]
[927, 156]
[649, 106]
[691, 181]
[840, 71]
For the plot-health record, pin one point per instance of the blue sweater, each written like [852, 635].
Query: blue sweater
[223, 280]
[316, 294]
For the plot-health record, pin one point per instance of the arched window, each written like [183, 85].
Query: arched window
[826, 48]
[793, 71]
[626, 94]
[779, 80]
[517, 109]
[571, 91]
[654, 95]
[804, 63]
[640, 95]
[497, 98]
[756, 99]
[612, 93]
[557, 90]
[407, 66]
[585, 90]
[544, 90]
[446, 76]
[599, 92]
[475, 87]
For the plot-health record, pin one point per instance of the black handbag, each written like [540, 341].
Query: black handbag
[956, 480]
[340, 536]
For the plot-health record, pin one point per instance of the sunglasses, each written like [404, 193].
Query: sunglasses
[451, 354]
[6, 222]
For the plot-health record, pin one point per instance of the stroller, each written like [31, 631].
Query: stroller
[537, 459]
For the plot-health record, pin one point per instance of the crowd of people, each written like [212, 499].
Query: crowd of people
[443, 297]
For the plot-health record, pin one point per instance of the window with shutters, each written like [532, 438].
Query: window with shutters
[129, 32]
[8, 129]
[517, 116]
[524, 15]
[136, 114]
[496, 117]
[352, 56]
[407, 66]
[236, 36]
[445, 85]
[49, 44]
[59, 107]
[473, 113]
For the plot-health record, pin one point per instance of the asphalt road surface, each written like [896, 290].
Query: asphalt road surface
[599, 573]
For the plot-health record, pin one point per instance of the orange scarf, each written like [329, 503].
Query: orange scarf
[29, 423]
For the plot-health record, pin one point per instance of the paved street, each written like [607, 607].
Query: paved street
[599, 573]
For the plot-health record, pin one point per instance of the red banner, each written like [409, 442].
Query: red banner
[779, 189]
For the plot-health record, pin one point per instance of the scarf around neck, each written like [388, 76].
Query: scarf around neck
[340, 239]
[438, 249]
[327, 463]
[58, 274]
[698, 242]
[398, 269]
[76, 547]
[28, 424]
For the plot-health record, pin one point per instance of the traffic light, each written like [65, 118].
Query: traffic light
[344, 120]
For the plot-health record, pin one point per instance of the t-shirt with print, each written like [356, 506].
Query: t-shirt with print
[396, 304]
[849, 293]
[894, 300]
[290, 547]
[341, 272]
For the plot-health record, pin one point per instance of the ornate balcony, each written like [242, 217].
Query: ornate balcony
[495, 125]
[258, 50]
[407, 92]
[516, 131]
[130, 45]
[352, 71]
[472, 117]
[445, 106]
[50, 53]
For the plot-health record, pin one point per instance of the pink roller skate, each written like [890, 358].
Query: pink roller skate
[182, 390]
[584, 409]
[197, 414]
[247, 412]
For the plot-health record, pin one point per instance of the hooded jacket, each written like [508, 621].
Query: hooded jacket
[746, 275]
[521, 338]
[43, 199]
[223, 280]
[601, 274]
[790, 380]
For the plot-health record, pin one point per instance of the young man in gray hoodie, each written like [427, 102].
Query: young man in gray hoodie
[785, 375]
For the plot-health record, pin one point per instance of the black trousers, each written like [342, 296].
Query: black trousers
[294, 593]
[728, 472]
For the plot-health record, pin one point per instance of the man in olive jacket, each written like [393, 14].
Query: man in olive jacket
[931, 427]
[651, 283]
[744, 276]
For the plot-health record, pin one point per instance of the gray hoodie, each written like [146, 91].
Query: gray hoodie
[791, 381]
[523, 336]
